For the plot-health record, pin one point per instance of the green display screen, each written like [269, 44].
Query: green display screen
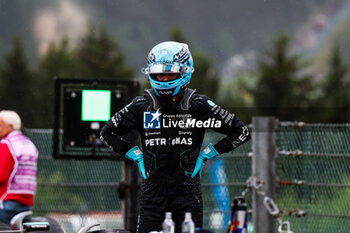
[96, 105]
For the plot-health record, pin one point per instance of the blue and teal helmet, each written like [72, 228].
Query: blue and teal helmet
[169, 57]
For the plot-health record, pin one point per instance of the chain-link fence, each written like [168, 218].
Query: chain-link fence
[76, 192]
[222, 180]
[313, 176]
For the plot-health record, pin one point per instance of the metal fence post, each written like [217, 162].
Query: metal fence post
[131, 201]
[132, 178]
[263, 167]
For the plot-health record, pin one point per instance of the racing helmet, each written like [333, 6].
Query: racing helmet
[169, 57]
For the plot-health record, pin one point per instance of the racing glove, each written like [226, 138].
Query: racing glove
[208, 153]
[136, 155]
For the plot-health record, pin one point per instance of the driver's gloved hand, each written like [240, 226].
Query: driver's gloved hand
[208, 153]
[136, 155]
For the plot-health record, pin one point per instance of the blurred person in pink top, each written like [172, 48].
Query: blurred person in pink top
[18, 167]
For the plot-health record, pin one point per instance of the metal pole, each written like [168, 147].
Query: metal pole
[131, 202]
[263, 167]
[132, 177]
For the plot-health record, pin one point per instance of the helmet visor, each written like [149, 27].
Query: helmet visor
[164, 68]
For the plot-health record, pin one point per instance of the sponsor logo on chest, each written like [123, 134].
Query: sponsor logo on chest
[155, 120]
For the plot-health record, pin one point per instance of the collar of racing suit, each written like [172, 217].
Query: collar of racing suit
[184, 100]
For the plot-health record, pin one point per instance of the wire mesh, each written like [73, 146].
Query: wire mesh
[73, 190]
[76, 192]
[317, 181]
[222, 180]
[312, 173]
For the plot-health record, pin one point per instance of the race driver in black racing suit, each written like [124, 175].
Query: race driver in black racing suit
[171, 119]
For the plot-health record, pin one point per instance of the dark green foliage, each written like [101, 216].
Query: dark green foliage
[178, 35]
[16, 83]
[282, 89]
[30, 92]
[205, 78]
[57, 62]
[336, 90]
[100, 57]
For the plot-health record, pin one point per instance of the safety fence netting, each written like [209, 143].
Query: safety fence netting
[76, 193]
[312, 177]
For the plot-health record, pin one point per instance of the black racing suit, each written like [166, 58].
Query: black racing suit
[171, 135]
